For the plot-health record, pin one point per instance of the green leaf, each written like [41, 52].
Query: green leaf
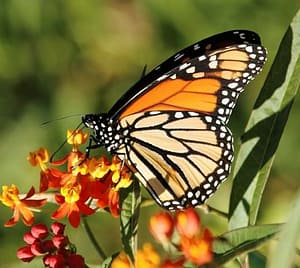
[257, 260]
[284, 252]
[107, 262]
[130, 200]
[264, 130]
[234, 243]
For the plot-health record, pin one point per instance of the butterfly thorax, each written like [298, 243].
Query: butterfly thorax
[106, 131]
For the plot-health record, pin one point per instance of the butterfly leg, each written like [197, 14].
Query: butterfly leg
[91, 146]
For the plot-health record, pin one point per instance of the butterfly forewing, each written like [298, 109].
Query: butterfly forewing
[204, 47]
[208, 84]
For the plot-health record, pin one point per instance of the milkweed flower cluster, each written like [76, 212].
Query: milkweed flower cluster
[82, 184]
[182, 234]
[78, 185]
[82, 181]
[53, 245]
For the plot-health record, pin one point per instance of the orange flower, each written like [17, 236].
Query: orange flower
[115, 168]
[198, 249]
[112, 180]
[39, 157]
[124, 180]
[121, 261]
[75, 163]
[72, 203]
[113, 202]
[147, 257]
[10, 198]
[120, 174]
[161, 226]
[98, 168]
[71, 192]
[76, 137]
[187, 222]
[173, 263]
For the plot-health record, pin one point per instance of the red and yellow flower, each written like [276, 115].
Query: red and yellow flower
[21, 207]
[82, 182]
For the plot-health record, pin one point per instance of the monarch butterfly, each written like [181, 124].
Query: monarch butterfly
[170, 127]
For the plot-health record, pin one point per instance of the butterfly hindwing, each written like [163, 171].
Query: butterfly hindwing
[180, 157]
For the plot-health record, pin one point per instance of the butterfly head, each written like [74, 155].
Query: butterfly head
[94, 121]
[105, 131]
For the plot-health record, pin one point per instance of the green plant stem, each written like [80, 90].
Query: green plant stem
[92, 238]
[216, 211]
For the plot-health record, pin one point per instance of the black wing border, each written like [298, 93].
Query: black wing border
[215, 42]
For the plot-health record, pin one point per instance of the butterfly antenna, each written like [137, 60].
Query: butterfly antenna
[65, 141]
[60, 118]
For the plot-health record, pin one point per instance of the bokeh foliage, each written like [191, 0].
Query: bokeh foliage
[60, 58]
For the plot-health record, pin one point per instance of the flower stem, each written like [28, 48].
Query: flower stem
[92, 238]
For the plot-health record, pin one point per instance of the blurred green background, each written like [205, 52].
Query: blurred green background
[61, 58]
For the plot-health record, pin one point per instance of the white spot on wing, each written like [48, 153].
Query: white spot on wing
[202, 58]
[252, 65]
[233, 85]
[249, 49]
[179, 115]
[185, 65]
[213, 64]
[191, 70]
